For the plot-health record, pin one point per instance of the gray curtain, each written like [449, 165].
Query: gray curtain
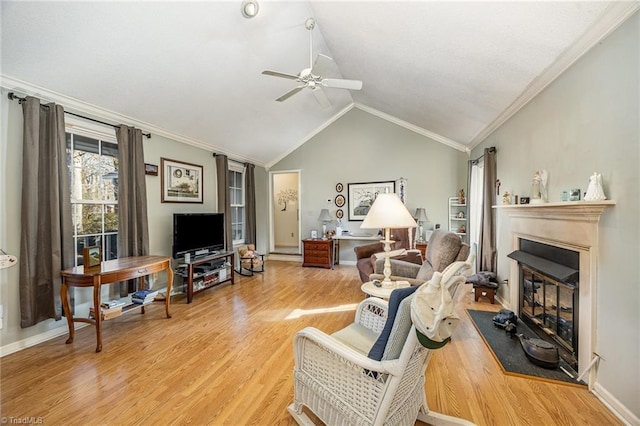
[250, 204]
[133, 226]
[224, 204]
[46, 244]
[487, 249]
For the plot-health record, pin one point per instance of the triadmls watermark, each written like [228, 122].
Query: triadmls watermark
[27, 420]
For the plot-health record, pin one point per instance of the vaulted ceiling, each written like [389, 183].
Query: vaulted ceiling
[452, 71]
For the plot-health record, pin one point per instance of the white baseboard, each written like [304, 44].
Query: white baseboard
[348, 262]
[616, 407]
[285, 257]
[37, 339]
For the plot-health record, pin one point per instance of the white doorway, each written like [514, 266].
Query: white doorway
[284, 212]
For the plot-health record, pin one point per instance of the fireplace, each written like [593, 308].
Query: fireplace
[571, 226]
[548, 295]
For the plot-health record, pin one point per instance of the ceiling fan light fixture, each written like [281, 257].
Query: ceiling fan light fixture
[249, 8]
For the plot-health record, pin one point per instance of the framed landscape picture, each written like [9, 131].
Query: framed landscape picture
[362, 195]
[91, 258]
[181, 182]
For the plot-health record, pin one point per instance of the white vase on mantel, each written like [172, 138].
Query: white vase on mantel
[594, 190]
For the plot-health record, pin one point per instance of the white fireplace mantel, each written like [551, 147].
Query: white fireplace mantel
[569, 210]
[571, 225]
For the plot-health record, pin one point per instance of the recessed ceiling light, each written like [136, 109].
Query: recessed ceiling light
[249, 8]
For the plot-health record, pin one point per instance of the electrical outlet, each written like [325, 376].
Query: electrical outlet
[1, 316]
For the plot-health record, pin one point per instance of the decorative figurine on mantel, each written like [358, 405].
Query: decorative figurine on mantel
[594, 190]
[539, 187]
[506, 198]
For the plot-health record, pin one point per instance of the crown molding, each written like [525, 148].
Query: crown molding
[72, 104]
[613, 16]
[310, 135]
[419, 130]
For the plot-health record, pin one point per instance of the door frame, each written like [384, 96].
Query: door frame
[272, 241]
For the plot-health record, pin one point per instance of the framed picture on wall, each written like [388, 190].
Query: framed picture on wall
[362, 195]
[181, 182]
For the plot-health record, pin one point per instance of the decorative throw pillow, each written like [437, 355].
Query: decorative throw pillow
[397, 296]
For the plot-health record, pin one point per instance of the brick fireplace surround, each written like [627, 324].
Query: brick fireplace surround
[572, 226]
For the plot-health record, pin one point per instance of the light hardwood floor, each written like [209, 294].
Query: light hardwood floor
[226, 359]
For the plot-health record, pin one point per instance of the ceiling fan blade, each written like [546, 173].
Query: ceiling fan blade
[290, 93]
[321, 97]
[321, 64]
[340, 83]
[280, 74]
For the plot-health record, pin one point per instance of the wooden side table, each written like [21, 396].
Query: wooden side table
[423, 249]
[318, 253]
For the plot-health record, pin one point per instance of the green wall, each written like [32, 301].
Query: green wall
[360, 147]
[588, 121]
[160, 215]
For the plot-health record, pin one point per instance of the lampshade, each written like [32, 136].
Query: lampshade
[324, 216]
[388, 211]
[421, 215]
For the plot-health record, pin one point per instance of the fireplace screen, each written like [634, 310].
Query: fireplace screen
[550, 307]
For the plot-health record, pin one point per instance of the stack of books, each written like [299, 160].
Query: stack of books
[108, 310]
[142, 297]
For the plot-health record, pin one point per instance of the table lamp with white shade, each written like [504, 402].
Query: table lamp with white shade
[388, 212]
[421, 217]
[325, 218]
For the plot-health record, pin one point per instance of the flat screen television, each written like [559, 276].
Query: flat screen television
[197, 234]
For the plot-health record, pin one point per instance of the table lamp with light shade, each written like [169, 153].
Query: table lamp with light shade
[421, 217]
[387, 212]
[325, 218]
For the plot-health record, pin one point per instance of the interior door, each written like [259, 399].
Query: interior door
[285, 212]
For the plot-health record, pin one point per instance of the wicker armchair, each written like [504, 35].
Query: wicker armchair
[340, 384]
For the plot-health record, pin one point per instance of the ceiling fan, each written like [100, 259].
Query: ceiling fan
[311, 77]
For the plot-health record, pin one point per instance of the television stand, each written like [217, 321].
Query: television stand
[208, 271]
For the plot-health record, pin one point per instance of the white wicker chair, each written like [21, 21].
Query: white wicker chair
[341, 385]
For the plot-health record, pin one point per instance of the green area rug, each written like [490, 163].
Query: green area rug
[508, 351]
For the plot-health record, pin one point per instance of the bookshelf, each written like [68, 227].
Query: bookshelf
[458, 217]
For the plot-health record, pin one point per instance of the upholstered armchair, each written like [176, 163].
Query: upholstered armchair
[372, 371]
[367, 255]
[443, 249]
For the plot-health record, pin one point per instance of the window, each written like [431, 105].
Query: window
[93, 173]
[236, 197]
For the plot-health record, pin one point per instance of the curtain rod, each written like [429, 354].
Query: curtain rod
[215, 154]
[491, 149]
[13, 97]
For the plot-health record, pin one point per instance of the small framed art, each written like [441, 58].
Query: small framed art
[151, 169]
[91, 258]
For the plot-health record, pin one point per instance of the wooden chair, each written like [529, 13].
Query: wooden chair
[250, 261]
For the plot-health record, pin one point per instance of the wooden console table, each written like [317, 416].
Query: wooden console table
[110, 272]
